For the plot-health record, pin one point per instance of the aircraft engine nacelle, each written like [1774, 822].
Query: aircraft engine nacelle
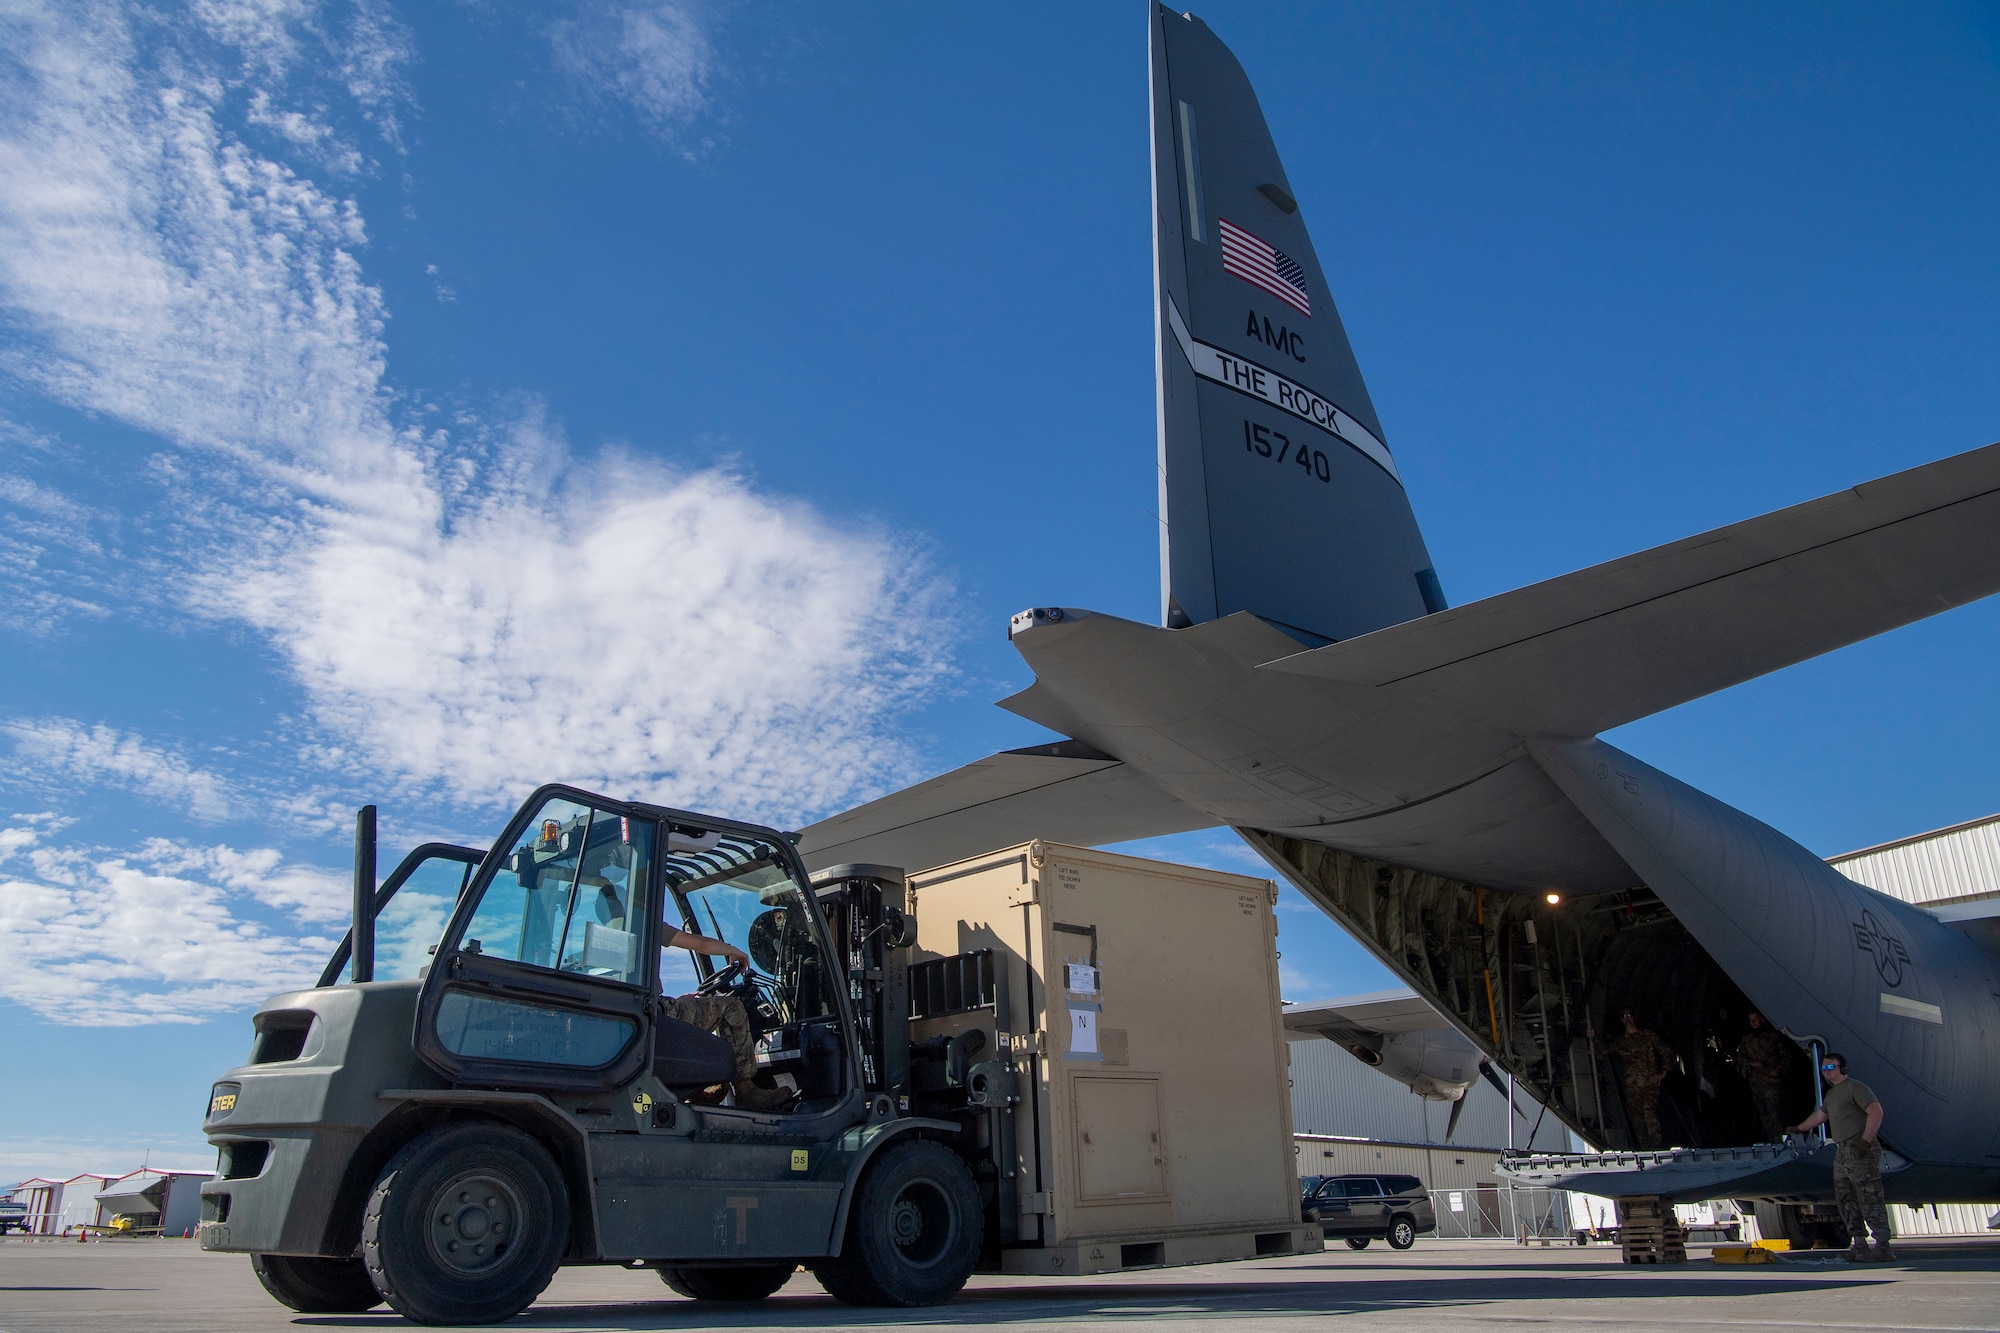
[1438, 1065]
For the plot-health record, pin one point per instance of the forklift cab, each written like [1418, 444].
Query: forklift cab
[552, 969]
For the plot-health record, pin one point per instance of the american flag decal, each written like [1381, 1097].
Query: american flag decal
[1264, 266]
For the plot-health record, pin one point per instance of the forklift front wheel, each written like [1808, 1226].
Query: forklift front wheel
[913, 1233]
[466, 1226]
[728, 1284]
[316, 1286]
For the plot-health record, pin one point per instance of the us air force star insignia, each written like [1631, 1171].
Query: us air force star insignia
[642, 1102]
[1888, 951]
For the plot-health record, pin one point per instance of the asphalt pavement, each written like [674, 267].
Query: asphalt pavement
[168, 1286]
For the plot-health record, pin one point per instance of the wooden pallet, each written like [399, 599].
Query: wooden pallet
[1648, 1233]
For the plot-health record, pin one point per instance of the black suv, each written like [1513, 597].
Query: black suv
[1357, 1209]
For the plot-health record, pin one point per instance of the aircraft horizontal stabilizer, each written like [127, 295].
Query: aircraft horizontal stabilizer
[1064, 792]
[1593, 650]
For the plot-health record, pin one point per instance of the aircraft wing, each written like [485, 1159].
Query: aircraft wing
[1382, 1013]
[1592, 650]
[1065, 792]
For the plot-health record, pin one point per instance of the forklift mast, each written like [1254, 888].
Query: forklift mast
[864, 907]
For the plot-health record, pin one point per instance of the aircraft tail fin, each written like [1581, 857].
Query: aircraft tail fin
[1278, 495]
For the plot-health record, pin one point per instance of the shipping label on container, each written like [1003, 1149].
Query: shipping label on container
[1083, 1032]
[1083, 979]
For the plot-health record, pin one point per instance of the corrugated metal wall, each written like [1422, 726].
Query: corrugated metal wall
[1942, 1219]
[1438, 1168]
[1958, 862]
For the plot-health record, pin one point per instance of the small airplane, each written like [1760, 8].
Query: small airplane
[1396, 1033]
[1431, 776]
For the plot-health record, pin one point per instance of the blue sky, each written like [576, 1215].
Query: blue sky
[412, 404]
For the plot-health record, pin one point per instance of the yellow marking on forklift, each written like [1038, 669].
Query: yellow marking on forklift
[224, 1101]
[799, 1159]
[642, 1102]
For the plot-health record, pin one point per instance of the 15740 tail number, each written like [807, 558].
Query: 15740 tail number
[1277, 446]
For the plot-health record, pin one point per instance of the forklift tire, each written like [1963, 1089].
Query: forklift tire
[728, 1284]
[316, 1286]
[467, 1225]
[914, 1230]
[1358, 1242]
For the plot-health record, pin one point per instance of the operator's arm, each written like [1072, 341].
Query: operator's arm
[1810, 1123]
[702, 944]
[1874, 1124]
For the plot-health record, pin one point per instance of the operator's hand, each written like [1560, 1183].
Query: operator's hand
[1868, 1139]
[735, 955]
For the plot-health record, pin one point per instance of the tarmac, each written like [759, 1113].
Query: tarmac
[169, 1286]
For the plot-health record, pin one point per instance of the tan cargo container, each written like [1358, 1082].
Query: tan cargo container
[1140, 1007]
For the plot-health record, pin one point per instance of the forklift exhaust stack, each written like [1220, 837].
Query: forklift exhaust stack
[363, 935]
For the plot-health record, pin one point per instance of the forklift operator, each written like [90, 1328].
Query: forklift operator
[725, 1016]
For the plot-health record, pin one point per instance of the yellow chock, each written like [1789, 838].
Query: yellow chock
[1743, 1254]
[1781, 1245]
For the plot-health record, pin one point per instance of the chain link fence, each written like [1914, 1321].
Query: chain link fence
[1521, 1212]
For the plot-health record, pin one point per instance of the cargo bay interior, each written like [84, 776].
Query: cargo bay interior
[1540, 985]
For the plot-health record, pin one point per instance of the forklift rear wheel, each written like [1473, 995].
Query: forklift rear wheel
[913, 1232]
[316, 1286]
[1402, 1233]
[1358, 1242]
[728, 1284]
[466, 1226]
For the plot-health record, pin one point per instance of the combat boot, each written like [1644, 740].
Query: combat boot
[1884, 1254]
[1857, 1253]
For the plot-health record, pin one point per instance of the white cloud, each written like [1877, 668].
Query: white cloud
[56, 751]
[634, 630]
[158, 935]
[659, 59]
[49, 554]
[467, 613]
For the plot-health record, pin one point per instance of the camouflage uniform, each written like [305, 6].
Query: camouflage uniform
[1645, 1058]
[1857, 1164]
[725, 1016]
[1760, 1059]
[1857, 1189]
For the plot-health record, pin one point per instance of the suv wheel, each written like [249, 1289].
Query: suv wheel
[728, 1284]
[914, 1230]
[466, 1225]
[316, 1286]
[1358, 1242]
[1402, 1233]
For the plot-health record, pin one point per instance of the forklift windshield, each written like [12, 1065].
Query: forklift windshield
[570, 896]
[758, 907]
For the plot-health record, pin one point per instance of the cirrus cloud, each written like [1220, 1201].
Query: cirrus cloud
[464, 611]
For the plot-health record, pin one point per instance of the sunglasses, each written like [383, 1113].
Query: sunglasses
[1830, 1067]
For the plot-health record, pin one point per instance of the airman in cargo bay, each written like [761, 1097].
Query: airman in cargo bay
[1646, 1060]
[1760, 1058]
[1853, 1116]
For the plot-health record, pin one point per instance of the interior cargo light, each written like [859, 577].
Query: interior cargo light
[1553, 898]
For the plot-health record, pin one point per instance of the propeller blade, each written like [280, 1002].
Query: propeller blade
[1451, 1124]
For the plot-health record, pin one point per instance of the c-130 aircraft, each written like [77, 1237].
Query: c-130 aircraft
[1432, 777]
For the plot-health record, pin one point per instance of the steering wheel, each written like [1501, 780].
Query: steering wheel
[722, 979]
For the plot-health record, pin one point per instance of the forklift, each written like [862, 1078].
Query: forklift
[526, 1098]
